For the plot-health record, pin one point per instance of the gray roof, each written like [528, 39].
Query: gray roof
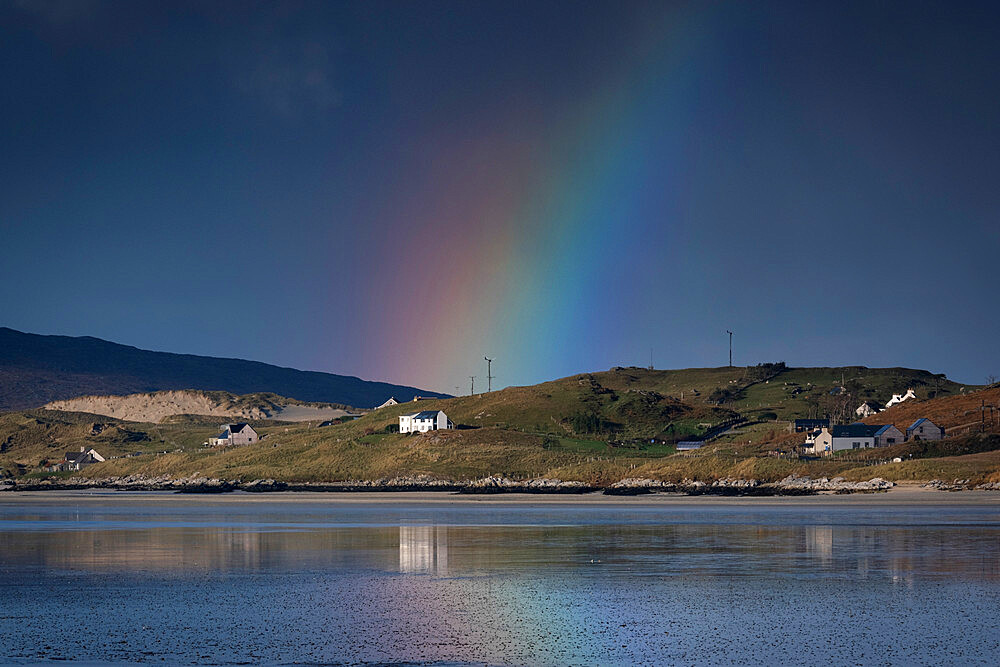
[855, 431]
[427, 414]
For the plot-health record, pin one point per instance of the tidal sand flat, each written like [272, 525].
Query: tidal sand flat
[909, 577]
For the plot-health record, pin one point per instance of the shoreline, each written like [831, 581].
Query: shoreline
[907, 494]
[792, 485]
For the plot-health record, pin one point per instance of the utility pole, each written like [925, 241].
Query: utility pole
[730, 347]
[489, 374]
[472, 389]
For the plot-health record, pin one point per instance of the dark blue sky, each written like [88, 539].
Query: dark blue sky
[392, 190]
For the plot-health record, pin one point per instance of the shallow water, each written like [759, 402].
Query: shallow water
[163, 578]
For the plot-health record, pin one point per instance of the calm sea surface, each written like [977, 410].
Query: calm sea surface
[161, 578]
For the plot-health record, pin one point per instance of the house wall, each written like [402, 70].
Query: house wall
[892, 436]
[929, 432]
[823, 442]
[405, 423]
[245, 437]
[839, 444]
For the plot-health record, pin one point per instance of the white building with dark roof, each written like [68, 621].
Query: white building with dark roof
[234, 434]
[78, 460]
[868, 408]
[426, 420]
[899, 398]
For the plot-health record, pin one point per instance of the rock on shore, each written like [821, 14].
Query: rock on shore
[539, 485]
[960, 485]
[838, 484]
[791, 485]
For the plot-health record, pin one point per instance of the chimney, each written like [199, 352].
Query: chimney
[81, 448]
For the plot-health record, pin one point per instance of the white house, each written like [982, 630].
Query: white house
[852, 436]
[819, 442]
[78, 460]
[924, 429]
[897, 398]
[867, 409]
[392, 401]
[234, 434]
[421, 422]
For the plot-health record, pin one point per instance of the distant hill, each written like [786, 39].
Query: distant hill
[36, 369]
[785, 391]
[177, 404]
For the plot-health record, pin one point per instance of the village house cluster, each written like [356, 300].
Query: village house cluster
[823, 440]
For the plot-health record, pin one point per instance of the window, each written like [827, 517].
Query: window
[855, 445]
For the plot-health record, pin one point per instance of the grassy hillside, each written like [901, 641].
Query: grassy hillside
[787, 392]
[28, 438]
[611, 406]
[957, 414]
[596, 428]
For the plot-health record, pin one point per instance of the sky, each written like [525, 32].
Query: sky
[395, 190]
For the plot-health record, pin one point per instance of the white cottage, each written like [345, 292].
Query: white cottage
[897, 398]
[392, 401]
[867, 409]
[426, 420]
[78, 460]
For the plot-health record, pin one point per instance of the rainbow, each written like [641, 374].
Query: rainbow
[519, 246]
